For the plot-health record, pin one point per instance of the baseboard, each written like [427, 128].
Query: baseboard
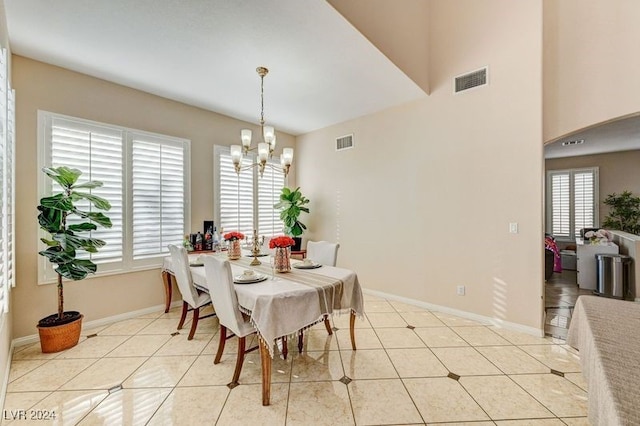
[5, 382]
[463, 314]
[33, 338]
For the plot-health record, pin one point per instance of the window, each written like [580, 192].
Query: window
[572, 201]
[144, 178]
[245, 201]
[7, 185]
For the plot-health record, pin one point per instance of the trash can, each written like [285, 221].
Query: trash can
[613, 275]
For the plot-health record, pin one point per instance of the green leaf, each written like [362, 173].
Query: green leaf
[65, 176]
[76, 270]
[59, 202]
[57, 255]
[88, 185]
[96, 217]
[50, 219]
[99, 202]
[83, 227]
[68, 241]
[49, 243]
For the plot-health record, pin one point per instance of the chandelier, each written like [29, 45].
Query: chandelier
[266, 147]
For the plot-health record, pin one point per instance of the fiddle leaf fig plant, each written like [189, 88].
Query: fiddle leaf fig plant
[66, 242]
[291, 205]
[624, 213]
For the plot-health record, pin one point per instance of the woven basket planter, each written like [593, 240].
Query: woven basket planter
[60, 337]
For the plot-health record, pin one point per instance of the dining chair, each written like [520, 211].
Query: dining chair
[323, 252]
[192, 298]
[220, 283]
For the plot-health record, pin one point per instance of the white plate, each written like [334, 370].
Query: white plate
[242, 279]
[301, 265]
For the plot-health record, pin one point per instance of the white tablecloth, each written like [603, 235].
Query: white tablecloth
[607, 334]
[294, 300]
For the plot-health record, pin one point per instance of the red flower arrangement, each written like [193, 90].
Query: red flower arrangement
[232, 236]
[282, 241]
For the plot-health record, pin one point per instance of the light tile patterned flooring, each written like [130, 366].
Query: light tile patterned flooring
[135, 372]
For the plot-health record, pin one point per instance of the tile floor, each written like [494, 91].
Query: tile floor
[561, 293]
[412, 366]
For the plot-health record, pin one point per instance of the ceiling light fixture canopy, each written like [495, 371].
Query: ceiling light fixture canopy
[266, 147]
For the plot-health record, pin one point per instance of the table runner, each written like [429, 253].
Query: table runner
[607, 334]
[295, 300]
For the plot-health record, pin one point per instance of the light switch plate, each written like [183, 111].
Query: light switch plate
[513, 227]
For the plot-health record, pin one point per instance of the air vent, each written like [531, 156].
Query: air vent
[344, 142]
[470, 80]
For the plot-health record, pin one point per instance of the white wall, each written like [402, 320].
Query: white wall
[424, 200]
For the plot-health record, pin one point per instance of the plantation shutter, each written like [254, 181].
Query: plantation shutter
[584, 200]
[4, 167]
[96, 151]
[158, 186]
[572, 201]
[10, 200]
[561, 204]
[235, 195]
[269, 188]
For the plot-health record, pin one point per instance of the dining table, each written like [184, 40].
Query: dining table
[284, 304]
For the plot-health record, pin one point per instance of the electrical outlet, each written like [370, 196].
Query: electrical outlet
[513, 227]
[460, 290]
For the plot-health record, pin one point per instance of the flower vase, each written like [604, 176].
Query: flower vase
[234, 251]
[281, 261]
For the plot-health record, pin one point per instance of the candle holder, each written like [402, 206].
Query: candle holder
[255, 249]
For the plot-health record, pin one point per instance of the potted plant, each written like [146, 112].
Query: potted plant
[62, 330]
[624, 214]
[291, 204]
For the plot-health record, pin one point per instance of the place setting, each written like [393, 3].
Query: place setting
[249, 276]
[307, 264]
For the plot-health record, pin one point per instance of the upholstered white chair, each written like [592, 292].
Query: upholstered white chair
[192, 299]
[323, 252]
[220, 283]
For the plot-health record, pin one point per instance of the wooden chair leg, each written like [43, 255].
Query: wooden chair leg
[221, 342]
[239, 359]
[327, 325]
[194, 322]
[300, 340]
[183, 316]
[285, 347]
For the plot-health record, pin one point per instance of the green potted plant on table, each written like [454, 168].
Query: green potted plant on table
[624, 214]
[291, 204]
[62, 330]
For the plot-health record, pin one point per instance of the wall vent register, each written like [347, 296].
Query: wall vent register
[344, 142]
[471, 80]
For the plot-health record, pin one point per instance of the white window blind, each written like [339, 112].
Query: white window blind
[158, 195]
[98, 152]
[245, 201]
[269, 188]
[144, 176]
[7, 183]
[235, 203]
[571, 201]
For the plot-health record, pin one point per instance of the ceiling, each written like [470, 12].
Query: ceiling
[614, 136]
[205, 52]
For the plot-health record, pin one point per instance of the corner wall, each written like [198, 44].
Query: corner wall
[423, 202]
[591, 65]
[46, 87]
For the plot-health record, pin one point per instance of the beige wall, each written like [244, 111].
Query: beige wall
[424, 200]
[398, 32]
[45, 87]
[591, 63]
[618, 171]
